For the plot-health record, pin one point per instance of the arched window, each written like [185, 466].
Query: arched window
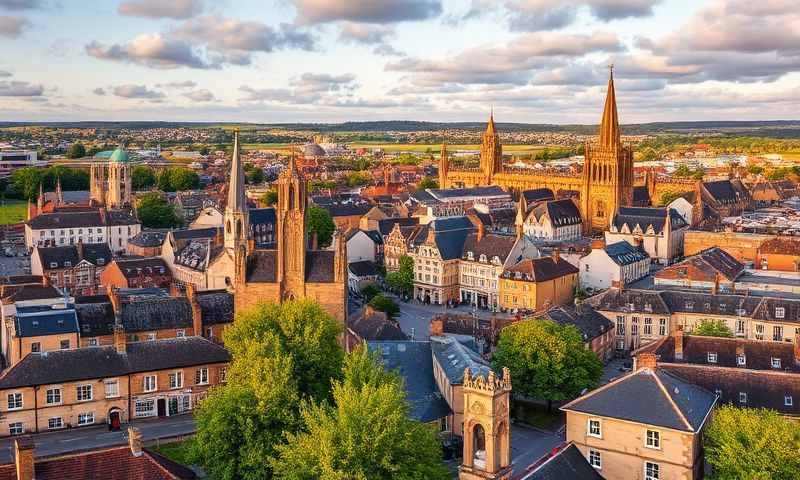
[291, 197]
[228, 227]
[238, 228]
[479, 446]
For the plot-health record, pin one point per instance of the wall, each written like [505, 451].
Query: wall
[743, 246]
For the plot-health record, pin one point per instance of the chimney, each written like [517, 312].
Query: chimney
[174, 290]
[251, 244]
[618, 284]
[481, 230]
[23, 458]
[715, 288]
[197, 312]
[314, 241]
[135, 441]
[119, 339]
[646, 360]
[556, 255]
[637, 242]
[598, 244]
[45, 280]
[113, 296]
[797, 350]
[678, 337]
[437, 328]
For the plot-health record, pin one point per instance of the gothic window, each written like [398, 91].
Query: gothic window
[479, 446]
[238, 228]
[228, 227]
[600, 209]
[291, 197]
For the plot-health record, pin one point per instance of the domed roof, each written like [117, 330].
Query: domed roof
[313, 150]
[119, 155]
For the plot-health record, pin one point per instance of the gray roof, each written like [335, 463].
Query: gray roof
[454, 357]
[623, 253]
[478, 192]
[216, 306]
[156, 314]
[661, 399]
[57, 257]
[364, 268]
[560, 212]
[538, 195]
[413, 361]
[616, 300]
[645, 217]
[589, 322]
[148, 239]
[259, 216]
[51, 321]
[567, 463]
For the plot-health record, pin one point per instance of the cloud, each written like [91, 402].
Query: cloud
[183, 84]
[12, 26]
[202, 95]
[366, 11]
[152, 50]
[99, 91]
[365, 33]
[21, 4]
[136, 92]
[538, 15]
[20, 89]
[5, 74]
[175, 9]
[386, 50]
[308, 88]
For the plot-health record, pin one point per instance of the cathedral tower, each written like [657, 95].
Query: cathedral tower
[607, 181]
[487, 442]
[119, 188]
[491, 152]
[291, 230]
[237, 222]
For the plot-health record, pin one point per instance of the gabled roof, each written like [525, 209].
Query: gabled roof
[371, 325]
[589, 322]
[623, 253]
[347, 209]
[616, 300]
[364, 268]
[148, 239]
[45, 322]
[567, 463]
[67, 220]
[714, 259]
[490, 244]
[758, 353]
[538, 195]
[156, 313]
[134, 267]
[726, 192]
[194, 233]
[539, 269]
[560, 212]
[645, 217]
[216, 306]
[385, 226]
[661, 399]
[453, 357]
[69, 256]
[259, 216]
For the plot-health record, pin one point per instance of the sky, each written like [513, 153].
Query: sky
[269, 61]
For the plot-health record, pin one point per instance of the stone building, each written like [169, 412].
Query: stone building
[533, 284]
[110, 183]
[554, 220]
[436, 251]
[659, 231]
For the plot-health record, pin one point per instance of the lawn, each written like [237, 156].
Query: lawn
[13, 211]
[175, 451]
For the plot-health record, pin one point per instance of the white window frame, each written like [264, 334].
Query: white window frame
[741, 360]
[78, 394]
[180, 333]
[146, 382]
[223, 374]
[589, 432]
[656, 471]
[780, 312]
[712, 357]
[16, 426]
[82, 418]
[201, 376]
[652, 441]
[743, 397]
[115, 383]
[595, 459]
[788, 401]
[50, 422]
[15, 395]
[56, 392]
[177, 376]
[775, 362]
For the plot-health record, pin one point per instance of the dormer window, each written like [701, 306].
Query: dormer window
[101, 261]
[67, 263]
[712, 357]
[483, 258]
[780, 312]
[53, 265]
[776, 362]
[470, 256]
[689, 305]
[648, 307]
[741, 360]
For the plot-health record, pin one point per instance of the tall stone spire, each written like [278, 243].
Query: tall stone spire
[609, 125]
[40, 199]
[236, 197]
[59, 193]
[490, 130]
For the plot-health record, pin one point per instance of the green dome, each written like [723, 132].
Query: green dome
[119, 155]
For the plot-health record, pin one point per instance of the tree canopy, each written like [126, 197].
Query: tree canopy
[143, 177]
[177, 178]
[402, 280]
[321, 222]
[382, 303]
[25, 181]
[548, 361]
[155, 211]
[712, 328]
[751, 443]
[253, 175]
[76, 150]
[427, 182]
[270, 198]
[668, 197]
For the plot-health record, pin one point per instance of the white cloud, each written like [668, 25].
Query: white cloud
[175, 9]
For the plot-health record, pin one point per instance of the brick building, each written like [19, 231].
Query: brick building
[137, 273]
[74, 267]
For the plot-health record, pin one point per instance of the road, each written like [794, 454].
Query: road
[79, 439]
[416, 317]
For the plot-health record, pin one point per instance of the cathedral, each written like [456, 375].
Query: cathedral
[290, 268]
[110, 184]
[604, 185]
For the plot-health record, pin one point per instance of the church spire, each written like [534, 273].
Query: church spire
[609, 125]
[490, 130]
[236, 196]
[59, 193]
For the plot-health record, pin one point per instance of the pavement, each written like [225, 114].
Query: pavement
[415, 317]
[88, 438]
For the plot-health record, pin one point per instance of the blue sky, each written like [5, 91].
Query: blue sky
[537, 61]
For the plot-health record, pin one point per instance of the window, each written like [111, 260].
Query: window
[788, 400]
[14, 401]
[86, 418]
[620, 325]
[662, 327]
[739, 327]
[651, 471]
[176, 379]
[36, 347]
[209, 332]
[648, 326]
[93, 342]
[776, 362]
[180, 333]
[653, 439]
[777, 333]
[201, 376]
[149, 383]
[112, 388]
[595, 460]
[67, 263]
[16, 428]
[780, 312]
[742, 397]
[144, 408]
[53, 396]
[223, 374]
[54, 423]
[594, 428]
[759, 332]
[84, 393]
[64, 344]
[151, 337]
[741, 360]
[712, 357]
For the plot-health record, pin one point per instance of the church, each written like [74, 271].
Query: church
[111, 183]
[604, 185]
[290, 268]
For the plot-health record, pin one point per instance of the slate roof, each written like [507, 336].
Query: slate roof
[371, 325]
[120, 217]
[450, 244]
[490, 244]
[57, 257]
[662, 400]
[726, 191]
[259, 216]
[347, 209]
[497, 219]
[319, 266]
[156, 314]
[589, 322]
[758, 353]
[413, 361]
[641, 196]
[646, 217]
[21, 293]
[133, 267]
[453, 357]
[448, 193]
[63, 366]
[262, 266]
[148, 239]
[623, 253]
[626, 300]
[216, 306]
[560, 212]
[567, 463]
[364, 268]
[715, 259]
[196, 254]
[66, 220]
[451, 223]
[538, 195]
[720, 304]
[768, 310]
[539, 269]
[375, 236]
[96, 319]
[385, 226]
[47, 322]
[194, 233]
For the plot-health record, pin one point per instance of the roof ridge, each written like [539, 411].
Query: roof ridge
[670, 399]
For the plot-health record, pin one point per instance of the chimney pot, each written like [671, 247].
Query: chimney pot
[24, 458]
[135, 441]
[678, 338]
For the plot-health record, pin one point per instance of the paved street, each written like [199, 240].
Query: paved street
[78, 439]
[416, 317]
[529, 444]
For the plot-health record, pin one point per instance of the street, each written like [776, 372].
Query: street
[529, 444]
[80, 439]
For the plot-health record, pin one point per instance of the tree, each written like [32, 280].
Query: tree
[402, 280]
[748, 443]
[427, 182]
[321, 222]
[143, 177]
[270, 198]
[204, 150]
[26, 181]
[755, 170]
[382, 303]
[76, 150]
[369, 291]
[712, 328]
[683, 171]
[668, 197]
[155, 212]
[253, 174]
[548, 361]
[366, 433]
[176, 179]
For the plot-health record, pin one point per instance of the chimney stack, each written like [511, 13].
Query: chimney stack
[135, 441]
[119, 339]
[556, 255]
[797, 350]
[715, 288]
[481, 230]
[678, 337]
[174, 291]
[45, 280]
[116, 303]
[197, 312]
[646, 360]
[24, 459]
[598, 244]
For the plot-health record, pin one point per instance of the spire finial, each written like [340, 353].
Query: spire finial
[609, 125]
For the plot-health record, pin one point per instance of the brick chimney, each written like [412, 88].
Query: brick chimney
[618, 284]
[135, 441]
[45, 280]
[715, 288]
[197, 312]
[481, 230]
[598, 244]
[678, 337]
[646, 360]
[437, 326]
[174, 290]
[23, 458]
[556, 255]
[797, 351]
[119, 339]
[116, 302]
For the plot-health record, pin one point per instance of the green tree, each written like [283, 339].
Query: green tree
[26, 181]
[270, 198]
[427, 182]
[382, 303]
[548, 361]
[748, 443]
[204, 150]
[683, 171]
[777, 174]
[369, 291]
[698, 174]
[321, 222]
[183, 179]
[365, 434]
[76, 150]
[155, 211]
[755, 169]
[402, 280]
[668, 197]
[253, 174]
[712, 328]
[357, 179]
[143, 177]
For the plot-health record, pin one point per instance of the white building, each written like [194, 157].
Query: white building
[70, 228]
[619, 263]
[684, 209]
[363, 246]
[553, 221]
[658, 230]
[11, 160]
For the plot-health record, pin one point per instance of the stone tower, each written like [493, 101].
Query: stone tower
[118, 193]
[491, 152]
[97, 184]
[487, 442]
[237, 222]
[444, 164]
[607, 181]
[291, 231]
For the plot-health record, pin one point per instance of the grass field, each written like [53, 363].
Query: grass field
[175, 451]
[13, 211]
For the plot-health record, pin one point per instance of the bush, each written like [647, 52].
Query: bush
[384, 304]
